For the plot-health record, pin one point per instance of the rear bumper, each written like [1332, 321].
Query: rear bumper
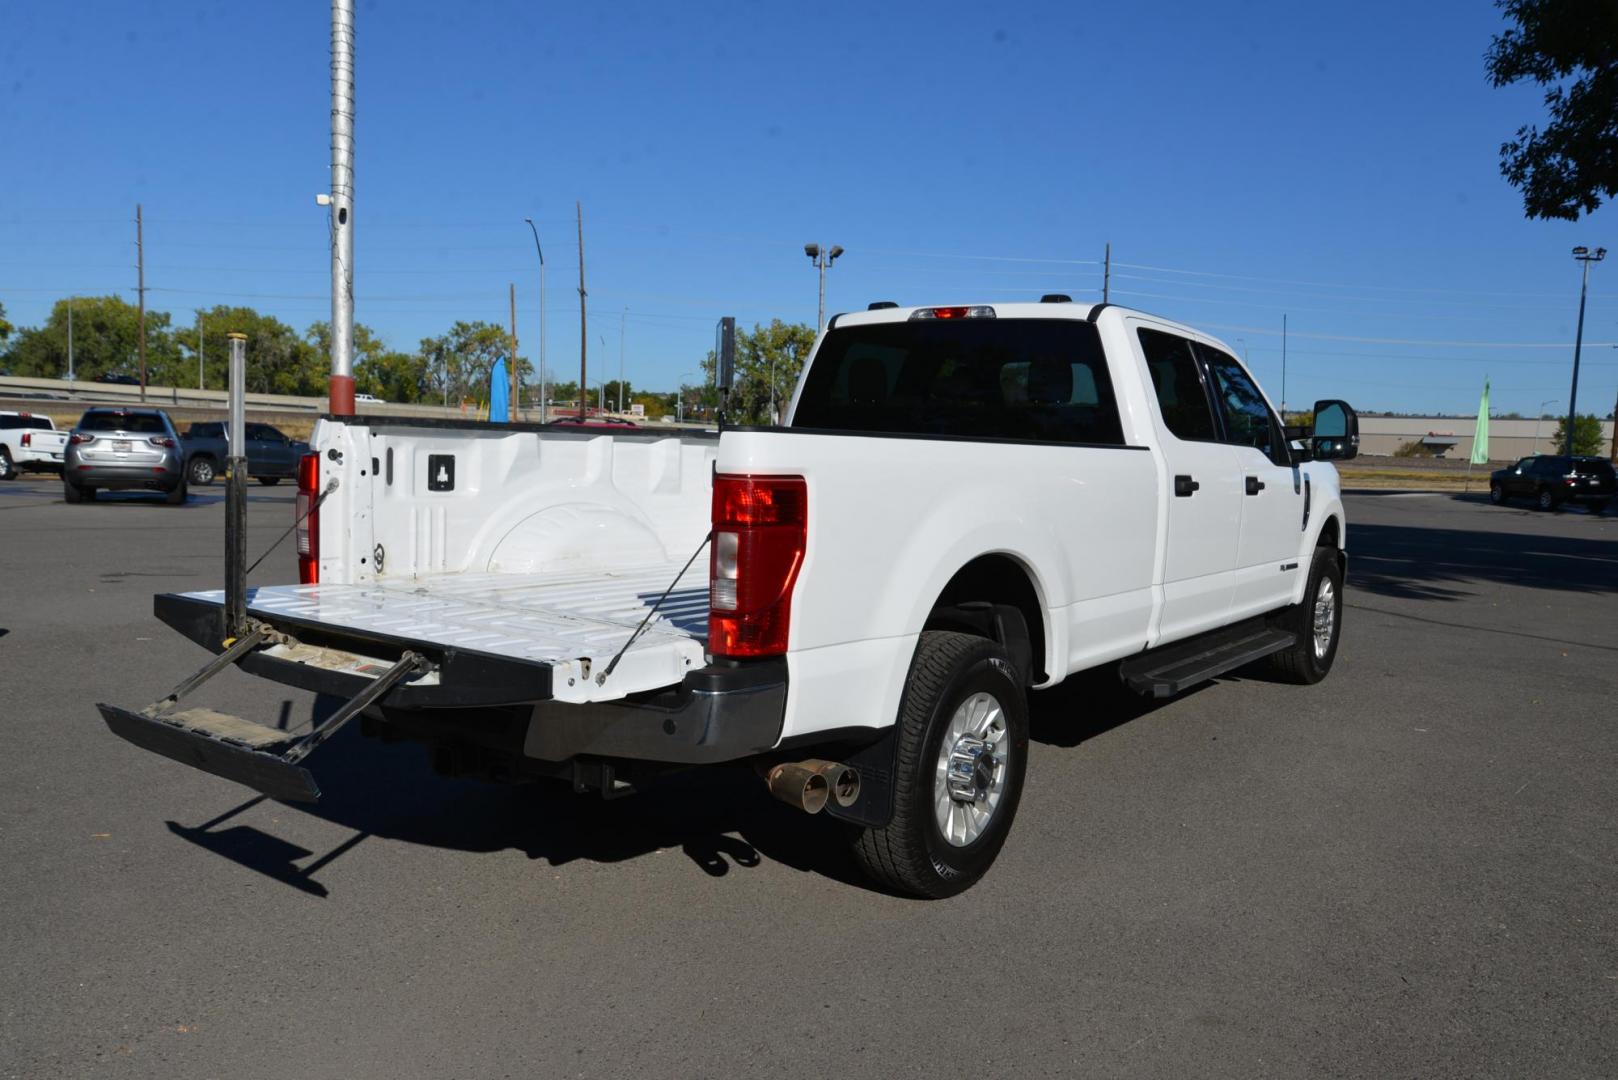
[113, 477]
[716, 714]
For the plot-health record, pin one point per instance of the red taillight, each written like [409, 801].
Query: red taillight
[162, 440]
[308, 530]
[28, 438]
[761, 526]
[78, 440]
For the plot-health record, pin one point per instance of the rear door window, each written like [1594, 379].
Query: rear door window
[1040, 380]
[1177, 379]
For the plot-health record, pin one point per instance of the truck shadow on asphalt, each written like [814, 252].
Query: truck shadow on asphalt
[721, 818]
[1450, 564]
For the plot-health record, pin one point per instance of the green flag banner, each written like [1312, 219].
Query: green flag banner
[1480, 439]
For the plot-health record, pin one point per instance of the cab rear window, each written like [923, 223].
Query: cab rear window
[1039, 380]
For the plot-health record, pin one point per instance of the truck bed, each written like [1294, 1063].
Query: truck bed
[573, 621]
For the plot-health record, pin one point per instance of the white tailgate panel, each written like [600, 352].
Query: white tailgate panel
[574, 621]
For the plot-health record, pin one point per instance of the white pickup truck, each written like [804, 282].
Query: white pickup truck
[963, 504]
[29, 443]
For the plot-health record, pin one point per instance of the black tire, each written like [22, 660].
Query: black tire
[177, 496]
[1599, 508]
[8, 471]
[201, 470]
[71, 493]
[269, 481]
[910, 853]
[1497, 494]
[1302, 663]
[1546, 499]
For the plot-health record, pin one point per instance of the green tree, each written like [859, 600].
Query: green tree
[106, 338]
[278, 360]
[5, 327]
[457, 364]
[378, 370]
[1586, 434]
[1571, 48]
[768, 361]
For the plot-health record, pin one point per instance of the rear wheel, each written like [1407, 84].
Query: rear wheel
[1546, 500]
[201, 471]
[269, 481]
[961, 757]
[177, 496]
[1317, 622]
[1497, 494]
[8, 471]
[71, 492]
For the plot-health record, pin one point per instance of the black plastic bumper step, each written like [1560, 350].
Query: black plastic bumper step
[1165, 672]
[266, 759]
[218, 744]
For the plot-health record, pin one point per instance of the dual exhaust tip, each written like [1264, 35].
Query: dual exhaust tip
[809, 785]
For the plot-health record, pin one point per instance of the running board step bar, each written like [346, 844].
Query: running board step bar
[1165, 672]
[265, 759]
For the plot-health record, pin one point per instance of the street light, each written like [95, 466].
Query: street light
[679, 398]
[544, 398]
[1583, 255]
[821, 261]
[1539, 417]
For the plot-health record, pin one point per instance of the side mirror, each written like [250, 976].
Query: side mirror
[1336, 432]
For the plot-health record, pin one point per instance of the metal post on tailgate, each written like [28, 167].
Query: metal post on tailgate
[236, 493]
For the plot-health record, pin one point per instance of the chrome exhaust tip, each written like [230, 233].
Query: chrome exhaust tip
[842, 782]
[797, 785]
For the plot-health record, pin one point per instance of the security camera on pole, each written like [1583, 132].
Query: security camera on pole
[821, 261]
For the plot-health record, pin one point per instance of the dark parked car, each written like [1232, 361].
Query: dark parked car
[271, 456]
[120, 380]
[1553, 479]
[122, 450]
[612, 422]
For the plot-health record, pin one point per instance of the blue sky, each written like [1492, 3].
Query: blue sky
[1334, 163]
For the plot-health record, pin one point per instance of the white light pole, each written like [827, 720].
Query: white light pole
[822, 259]
[544, 398]
[679, 398]
[1539, 418]
[1582, 254]
[341, 203]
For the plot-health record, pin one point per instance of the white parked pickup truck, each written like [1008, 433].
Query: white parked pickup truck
[29, 443]
[963, 504]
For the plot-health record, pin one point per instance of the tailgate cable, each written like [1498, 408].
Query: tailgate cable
[602, 678]
[331, 487]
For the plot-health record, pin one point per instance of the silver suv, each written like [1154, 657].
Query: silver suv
[123, 449]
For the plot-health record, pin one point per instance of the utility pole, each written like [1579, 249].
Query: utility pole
[341, 201]
[622, 318]
[544, 397]
[70, 375]
[516, 401]
[200, 384]
[1106, 275]
[1584, 255]
[140, 270]
[584, 329]
[1283, 370]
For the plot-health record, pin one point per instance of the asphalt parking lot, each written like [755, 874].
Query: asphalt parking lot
[1410, 869]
